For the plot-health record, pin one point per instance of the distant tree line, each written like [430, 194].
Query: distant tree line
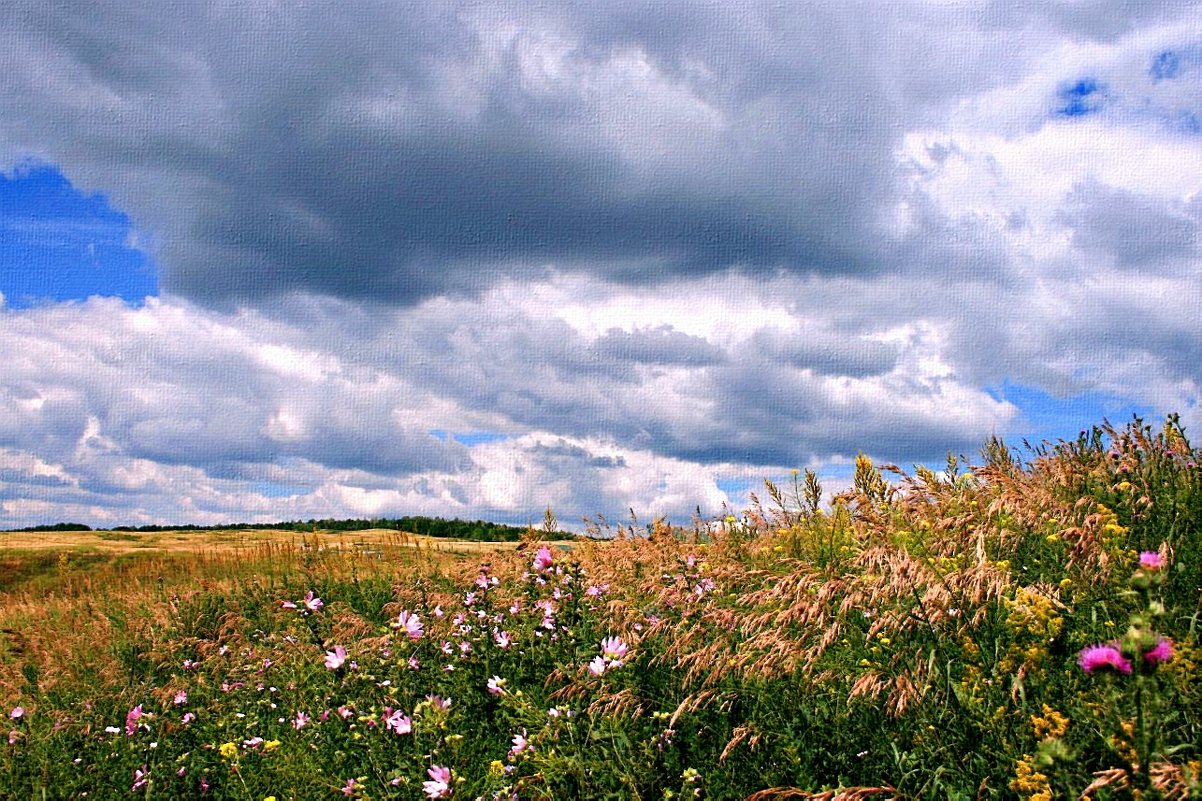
[478, 530]
[56, 527]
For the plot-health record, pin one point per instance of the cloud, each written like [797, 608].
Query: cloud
[475, 259]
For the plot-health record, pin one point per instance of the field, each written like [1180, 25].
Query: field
[1023, 627]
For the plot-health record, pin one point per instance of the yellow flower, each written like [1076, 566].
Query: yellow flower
[271, 745]
[228, 750]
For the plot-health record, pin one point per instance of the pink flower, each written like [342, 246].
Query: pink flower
[1161, 652]
[1151, 561]
[312, 602]
[612, 648]
[438, 702]
[141, 779]
[597, 666]
[503, 639]
[395, 721]
[188, 718]
[520, 744]
[335, 658]
[496, 685]
[300, 721]
[412, 624]
[1102, 657]
[287, 605]
[543, 559]
[439, 785]
[181, 698]
[17, 713]
[131, 719]
[349, 788]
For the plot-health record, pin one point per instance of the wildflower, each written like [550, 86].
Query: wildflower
[543, 559]
[597, 666]
[17, 713]
[141, 779]
[312, 602]
[613, 649]
[439, 785]
[1161, 652]
[271, 745]
[503, 639]
[287, 605]
[438, 611]
[300, 721]
[1101, 657]
[414, 664]
[228, 750]
[496, 685]
[335, 658]
[520, 744]
[411, 623]
[187, 718]
[1151, 561]
[395, 721]
[438, 702]
[181, 698]
[349, 788]
[131, 719]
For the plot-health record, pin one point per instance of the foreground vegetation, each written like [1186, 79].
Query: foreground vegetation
[1023, 628]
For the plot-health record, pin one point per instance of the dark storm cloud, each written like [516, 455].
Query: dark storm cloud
[398, 151]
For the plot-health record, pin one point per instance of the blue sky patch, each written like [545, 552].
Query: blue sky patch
[1081, 98]
[59, 244]
[1046, 417]
[1165, 66]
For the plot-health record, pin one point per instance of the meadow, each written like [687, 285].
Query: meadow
[1024, 626]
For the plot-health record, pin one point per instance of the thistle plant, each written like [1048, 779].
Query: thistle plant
[1135, 659]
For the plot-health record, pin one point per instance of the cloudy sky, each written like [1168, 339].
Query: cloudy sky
[264, 260]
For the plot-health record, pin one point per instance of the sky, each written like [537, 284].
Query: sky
[268, 261]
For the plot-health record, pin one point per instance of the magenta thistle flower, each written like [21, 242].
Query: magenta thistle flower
[1151, 561]
[1161, 652]
[439, 785]
[335, 658]
[1103, 657]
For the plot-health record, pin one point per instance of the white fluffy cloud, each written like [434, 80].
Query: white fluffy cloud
[477, 260]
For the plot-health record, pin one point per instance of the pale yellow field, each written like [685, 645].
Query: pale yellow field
[225, 541]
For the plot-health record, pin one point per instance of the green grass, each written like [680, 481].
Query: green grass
[917, 638]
